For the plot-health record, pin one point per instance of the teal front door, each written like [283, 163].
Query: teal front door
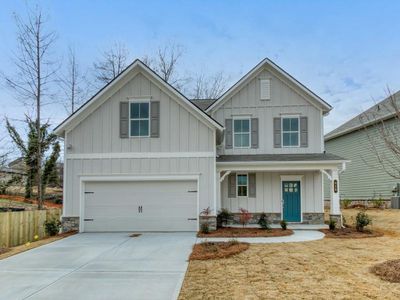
[291, 201]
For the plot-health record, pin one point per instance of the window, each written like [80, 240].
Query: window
[139, 118]
[290, 132]
[242, 185]
[241, 133]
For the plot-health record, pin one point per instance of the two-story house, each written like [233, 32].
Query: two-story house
[140, 156]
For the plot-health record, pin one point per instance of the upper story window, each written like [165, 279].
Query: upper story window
[242, 185]
[290, 131]
[241, 133]
[139, 119]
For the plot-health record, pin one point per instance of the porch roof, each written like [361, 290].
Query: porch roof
[309, 157]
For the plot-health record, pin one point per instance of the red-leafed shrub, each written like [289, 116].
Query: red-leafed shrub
[245, 216]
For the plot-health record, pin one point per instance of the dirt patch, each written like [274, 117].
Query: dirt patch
[350, 233]
[217, 250]
[388, 270]
[233, 232]
[135, 235]
[4, 250]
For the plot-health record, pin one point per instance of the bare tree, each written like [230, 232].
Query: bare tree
[209, 87]
[72, 83]
[34, 72]
[382, 127]
[111, 63]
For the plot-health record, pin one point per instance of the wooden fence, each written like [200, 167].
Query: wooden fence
[17, 228]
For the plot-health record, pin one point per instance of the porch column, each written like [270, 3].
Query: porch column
[217, 192]
[335, 212]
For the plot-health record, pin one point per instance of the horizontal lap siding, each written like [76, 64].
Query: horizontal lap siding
[364, 177]
[268, 197]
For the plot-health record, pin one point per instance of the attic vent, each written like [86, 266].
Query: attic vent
[265, 89]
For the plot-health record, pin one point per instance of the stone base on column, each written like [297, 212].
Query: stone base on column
[338, 219]
[69, 224]
[210, 220]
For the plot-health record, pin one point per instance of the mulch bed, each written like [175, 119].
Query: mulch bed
[217, 250]
[350, 233]
[388, 270]
[4, 250]
[232, 232]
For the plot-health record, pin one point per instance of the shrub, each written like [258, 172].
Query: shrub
[244, 217]
[346, 203]
[378, 203]
[362, 220]
[283, 225]
[332, 224]
[224, 216]
[264, 222]
[52, 227]
[204, 228]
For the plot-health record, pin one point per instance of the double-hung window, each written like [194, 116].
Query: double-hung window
[241, 133]
[290, 132]
[139, 118]
[242, 185]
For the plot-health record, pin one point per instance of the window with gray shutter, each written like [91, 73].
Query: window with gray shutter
[124, 120]
[303, 132]
[155, 119]
[252, 185]
[277, 133]
[254, 133]
[232, 185]
[228, 134]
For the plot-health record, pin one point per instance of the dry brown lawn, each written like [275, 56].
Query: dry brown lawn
[325, 269]
[216, 250]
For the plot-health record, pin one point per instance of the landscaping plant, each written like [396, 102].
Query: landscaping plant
[283, 225]
[362, 220]
[378, 203]
[205, 227]
[223, 217]
[332, 224]
[244, 217]
[264, 222]
[346, 203]
[52, 227]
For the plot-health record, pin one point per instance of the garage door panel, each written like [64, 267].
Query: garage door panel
[166, 206]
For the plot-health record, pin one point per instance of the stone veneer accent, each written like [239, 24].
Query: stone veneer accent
[313, 218]
[272, 217]
[338, 219]
[69, 223]
[211, 220]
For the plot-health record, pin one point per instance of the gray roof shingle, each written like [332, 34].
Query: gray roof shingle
[279, 157]
[203, 104]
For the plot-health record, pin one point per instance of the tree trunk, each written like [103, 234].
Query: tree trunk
[39, 133]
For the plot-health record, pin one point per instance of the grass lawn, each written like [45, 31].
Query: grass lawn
[12, 203]
[329, 268]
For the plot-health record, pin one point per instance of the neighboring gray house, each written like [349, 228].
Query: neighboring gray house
[359, 140]
[141, 156]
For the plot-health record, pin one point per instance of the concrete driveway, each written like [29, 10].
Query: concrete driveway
[100, 266]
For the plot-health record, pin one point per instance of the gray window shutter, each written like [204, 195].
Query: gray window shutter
[277, 133]
[252, 185]
[303, 132]
[155, 119]
[254, 133]
[232, 185]
[228, 134]
[124, 120]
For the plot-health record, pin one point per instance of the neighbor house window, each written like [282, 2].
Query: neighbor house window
[290, 131]
[242, 185]
[139, 118]
[241, 133]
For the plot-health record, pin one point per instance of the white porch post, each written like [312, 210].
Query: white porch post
[335, 212]
[217, 192]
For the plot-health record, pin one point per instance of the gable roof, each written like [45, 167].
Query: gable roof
[379, 112]
[136, 64]
[316, 100]
[203, 104]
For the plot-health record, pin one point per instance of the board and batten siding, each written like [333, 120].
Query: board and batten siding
[268, 194]
[363, 177]
[180, 131]
[284, 100]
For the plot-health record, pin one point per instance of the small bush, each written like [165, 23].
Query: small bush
[332, 224]
[346, 203]
[224, 216]
[378, 203]
[362, 220]
[204, 228]
[283, 225]
[52, 227]
[264, 222]
[232, 242]
[245, 216]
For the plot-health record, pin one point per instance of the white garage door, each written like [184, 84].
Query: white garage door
[140, 206]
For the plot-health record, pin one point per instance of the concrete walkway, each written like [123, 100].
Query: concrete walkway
[100, 266]
[297, 236]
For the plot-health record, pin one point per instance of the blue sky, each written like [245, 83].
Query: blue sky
[345, 51]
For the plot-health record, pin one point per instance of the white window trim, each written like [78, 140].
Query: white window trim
[140, 119]
[233, 130]
[247, 185]
[298, 130]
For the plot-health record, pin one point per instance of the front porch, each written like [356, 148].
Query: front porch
[285, 187]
